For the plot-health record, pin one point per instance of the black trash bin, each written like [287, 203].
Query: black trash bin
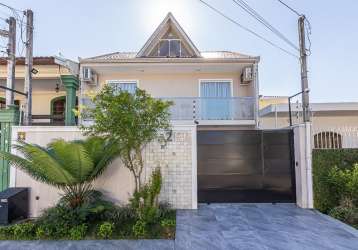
[14, 205]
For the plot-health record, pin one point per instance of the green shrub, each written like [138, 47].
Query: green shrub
[78, 232]
[118, 215]
[145, 202]
[56, 222]
[165, 209]
[24, 231]
[139, 229]
[167, 223]
[6, 232]
[96, 206]
[42, 232]
[105, 230]
[168, 227]
[327, 183]
[346, 212]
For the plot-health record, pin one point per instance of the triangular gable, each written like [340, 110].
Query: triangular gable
[170, 27]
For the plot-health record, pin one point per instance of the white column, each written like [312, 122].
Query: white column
[303, 165]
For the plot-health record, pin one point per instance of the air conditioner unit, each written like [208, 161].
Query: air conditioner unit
[89, 76]
[247, 75]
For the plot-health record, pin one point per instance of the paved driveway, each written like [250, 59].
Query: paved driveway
[261, 226]
[230, 226]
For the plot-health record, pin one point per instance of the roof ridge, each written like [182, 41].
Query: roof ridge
[225, 51]
[220, 51]
[109, 54]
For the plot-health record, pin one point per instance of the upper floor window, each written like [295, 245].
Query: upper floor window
[123, 85]
[170, 48]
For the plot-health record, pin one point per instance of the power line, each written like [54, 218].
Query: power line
[290, 8]
[242, 4]
[248, 30]
[9, 7]
[20, 23]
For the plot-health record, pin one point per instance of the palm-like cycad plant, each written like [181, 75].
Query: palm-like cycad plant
[69, 166]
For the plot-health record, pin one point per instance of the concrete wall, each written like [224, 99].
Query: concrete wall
[176, 84]
[318, 121]
[177, 161]
[341, 124]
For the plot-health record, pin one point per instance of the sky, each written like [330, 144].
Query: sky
[84, 28]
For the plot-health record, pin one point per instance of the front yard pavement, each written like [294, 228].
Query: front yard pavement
[231, 226]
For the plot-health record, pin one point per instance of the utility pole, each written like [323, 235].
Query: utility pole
[304, 76]
[28, 67]
[11, 61]
[306, 165]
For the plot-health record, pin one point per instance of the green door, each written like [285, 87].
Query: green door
[8, 118]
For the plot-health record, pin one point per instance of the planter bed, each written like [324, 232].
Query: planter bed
[59, 223]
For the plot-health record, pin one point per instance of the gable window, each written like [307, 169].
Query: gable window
[169, 48]
[123, 85]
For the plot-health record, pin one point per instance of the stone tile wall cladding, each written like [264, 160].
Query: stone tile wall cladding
[175, 160]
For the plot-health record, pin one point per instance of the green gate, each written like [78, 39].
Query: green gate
[8, 118]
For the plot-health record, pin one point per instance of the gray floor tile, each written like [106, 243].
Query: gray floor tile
[231, 226]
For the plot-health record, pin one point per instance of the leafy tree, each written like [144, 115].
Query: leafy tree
[133, 120]
[69, 166]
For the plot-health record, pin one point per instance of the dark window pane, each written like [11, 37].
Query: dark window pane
[164, 48]
[174, 48]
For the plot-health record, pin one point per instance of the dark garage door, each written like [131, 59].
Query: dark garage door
[245, 166]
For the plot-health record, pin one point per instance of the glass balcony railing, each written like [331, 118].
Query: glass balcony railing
[212, 108]
[206, 108]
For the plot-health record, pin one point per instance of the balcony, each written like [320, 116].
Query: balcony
[209, 109]
[212, 108]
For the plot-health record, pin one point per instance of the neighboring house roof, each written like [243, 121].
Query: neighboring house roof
[273, 97]
[145, 55]
[41, 60]
[315, 107]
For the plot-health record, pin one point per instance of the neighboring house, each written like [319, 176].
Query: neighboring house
[334, 125]
[210, 88]
[48, 90]
[265, 101]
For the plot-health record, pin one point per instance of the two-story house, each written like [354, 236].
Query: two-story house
[217, 152]
[212, 88]
[218, 92]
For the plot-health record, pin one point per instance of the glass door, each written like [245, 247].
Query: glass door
[215, 100]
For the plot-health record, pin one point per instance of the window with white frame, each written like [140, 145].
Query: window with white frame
[169, 48]
[123, 85]
[215, 88]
